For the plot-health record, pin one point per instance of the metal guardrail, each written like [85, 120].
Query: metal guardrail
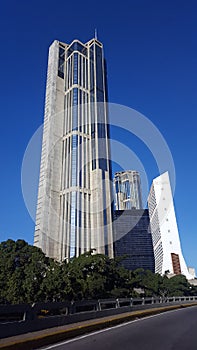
[23, 318]
[26, 312]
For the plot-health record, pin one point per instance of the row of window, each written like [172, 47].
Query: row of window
[77, 70]
[76, 162]
[75, 214]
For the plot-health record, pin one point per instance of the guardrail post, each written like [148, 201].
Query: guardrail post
[99, 305]
[131, 302]
[29, 315]
[143, 301]
[117, 303]
[72, 307]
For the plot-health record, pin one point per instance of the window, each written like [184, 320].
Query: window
[99, 68]
[75, 109]
[75, 69]
[61, 62]
[76, 46]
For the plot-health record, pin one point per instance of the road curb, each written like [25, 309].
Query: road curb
[58, 336]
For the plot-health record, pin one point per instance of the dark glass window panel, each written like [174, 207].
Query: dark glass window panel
[61, 52]
[60, 74]
[101, 130]
[84, 159]
[61, 63]
[61, 68]
[92, 111]
[100, 95]
[75, 67]
[76, 46]
[69, 52]
[99, 68]
[117, 186]
[91, 76]
[73, 225]
[93, 154]
[106, 250]
[75, 97]
[92, 53]
[103, 164]
[80, 70]
[80, 110]
[105, 80]
[80, 170]
[74, 159]
[75, 109]
[93, 164]
[127, 189]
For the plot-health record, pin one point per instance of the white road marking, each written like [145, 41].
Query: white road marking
[106, 330]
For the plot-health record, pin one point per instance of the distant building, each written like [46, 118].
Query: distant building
[192, 271]
[165, 234]
[132, 237]
[127, 190]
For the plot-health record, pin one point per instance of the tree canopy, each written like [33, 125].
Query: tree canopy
[28, 276]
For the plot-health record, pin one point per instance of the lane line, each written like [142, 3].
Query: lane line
[106, 330]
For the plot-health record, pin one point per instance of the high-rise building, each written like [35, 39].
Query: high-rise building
[165, 234]
[74, 210]
[132, 238]
[127, 190]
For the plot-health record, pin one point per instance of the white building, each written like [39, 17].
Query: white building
[127, 190]
[192, 271]
[74, 210]
[165, 235]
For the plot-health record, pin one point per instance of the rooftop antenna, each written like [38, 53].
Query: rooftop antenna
[95, 33]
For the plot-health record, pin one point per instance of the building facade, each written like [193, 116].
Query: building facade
[127, 190]
[164, 229]
[74, 210]
[132, 238]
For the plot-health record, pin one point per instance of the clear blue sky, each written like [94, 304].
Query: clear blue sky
[151, 51]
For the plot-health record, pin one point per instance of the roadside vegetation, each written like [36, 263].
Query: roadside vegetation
[28, 276]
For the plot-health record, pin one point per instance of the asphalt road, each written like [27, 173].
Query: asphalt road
[173, 330]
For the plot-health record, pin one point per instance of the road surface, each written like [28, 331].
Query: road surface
[172, 330]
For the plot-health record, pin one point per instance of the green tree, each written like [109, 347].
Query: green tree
[22, 269]
[175, 286]
[28, 276]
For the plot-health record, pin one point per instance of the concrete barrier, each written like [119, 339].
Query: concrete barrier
[21, 319]
[40, 339]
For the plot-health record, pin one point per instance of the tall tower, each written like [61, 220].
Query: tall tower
[127, 189]
[165, 235]
[74, 211]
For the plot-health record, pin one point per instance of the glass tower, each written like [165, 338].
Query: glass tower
[127, 190]
[74, 210]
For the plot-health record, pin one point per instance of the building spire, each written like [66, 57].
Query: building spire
[95, 33]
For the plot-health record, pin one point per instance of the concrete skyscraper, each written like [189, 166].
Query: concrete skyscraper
[165, 234]
[127, 190]
[74, 210]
